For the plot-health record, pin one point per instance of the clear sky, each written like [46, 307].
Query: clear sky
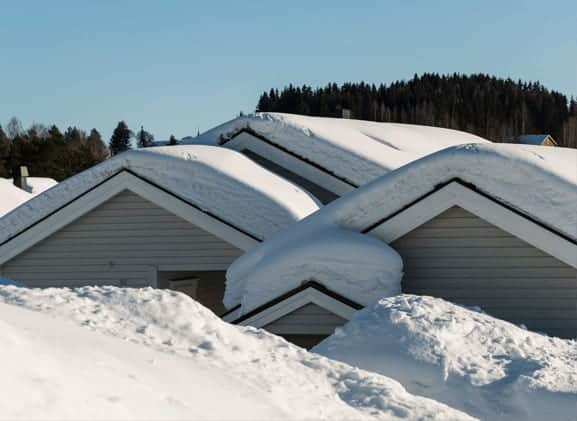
[178, 66]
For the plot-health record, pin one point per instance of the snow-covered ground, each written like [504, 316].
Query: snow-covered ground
[356, 150]
[177, 360]
[221, 181]
[11, 196]
[487, 367]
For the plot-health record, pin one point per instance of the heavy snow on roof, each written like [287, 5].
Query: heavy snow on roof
[11, 196]
[220, 181]
[355, 150]
[531, 139]
[40, 184]
[538, 182]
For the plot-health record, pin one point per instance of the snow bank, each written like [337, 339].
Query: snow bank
[486, 367]
[221, 181]
[358, 151]
[286, 378]
[52, 369]
[359, 267]
[11, 196]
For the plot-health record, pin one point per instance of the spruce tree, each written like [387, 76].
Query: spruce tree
[120, 139]
[172, 141]
[144, 138]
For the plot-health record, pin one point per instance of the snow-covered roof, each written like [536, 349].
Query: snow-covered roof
[355, 150]
[540, 183]
[11, 196]
[220, 181]
[471, 361]
[531, 139]
[40, 184]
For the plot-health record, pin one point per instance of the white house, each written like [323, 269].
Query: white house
[487, 225]
[165, 217]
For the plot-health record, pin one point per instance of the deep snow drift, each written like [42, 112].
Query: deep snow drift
[198, 348]
[221, 181]
[486, 367]
[11, 196]
[52, 369]
[356, 266]
[358, 151]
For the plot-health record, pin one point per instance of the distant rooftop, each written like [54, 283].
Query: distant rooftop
[534, 139]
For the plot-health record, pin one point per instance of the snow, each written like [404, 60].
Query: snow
[221, 181]
[177, 361]
[54, 370]
[358, 151]
[486, 367]
[353, 265]
[11, 196]
[40, 184]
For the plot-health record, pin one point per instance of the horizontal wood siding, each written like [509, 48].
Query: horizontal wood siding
[309, 319]
[462, 258]
[121, 242]
[324, 195]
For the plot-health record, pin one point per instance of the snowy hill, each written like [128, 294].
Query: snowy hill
[484, 366]
[178, 361]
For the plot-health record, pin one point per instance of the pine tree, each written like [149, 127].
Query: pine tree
[144, 138]
[172, 141]
[120, 139]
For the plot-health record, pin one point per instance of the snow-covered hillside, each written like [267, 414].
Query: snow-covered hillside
[357, 150]
[178, 361]
[487, 367]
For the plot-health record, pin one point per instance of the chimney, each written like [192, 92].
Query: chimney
[20, 176]
[346, 113]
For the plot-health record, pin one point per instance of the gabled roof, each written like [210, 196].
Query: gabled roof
[218, 182]
[535, 139]
[527, 190]
[355, 151]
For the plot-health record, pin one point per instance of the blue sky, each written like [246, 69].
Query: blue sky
[178, 66]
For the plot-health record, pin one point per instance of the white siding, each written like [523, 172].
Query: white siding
[121, 242]
[309, 319]
[462, 258]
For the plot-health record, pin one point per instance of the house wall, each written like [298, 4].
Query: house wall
[306, 326]
[310, 319]
[122, 242]
[324, 195]
[462, 258]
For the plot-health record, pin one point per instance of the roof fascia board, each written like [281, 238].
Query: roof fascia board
[123, 180]
[281, 156]
[457, 194]
[296, 301]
